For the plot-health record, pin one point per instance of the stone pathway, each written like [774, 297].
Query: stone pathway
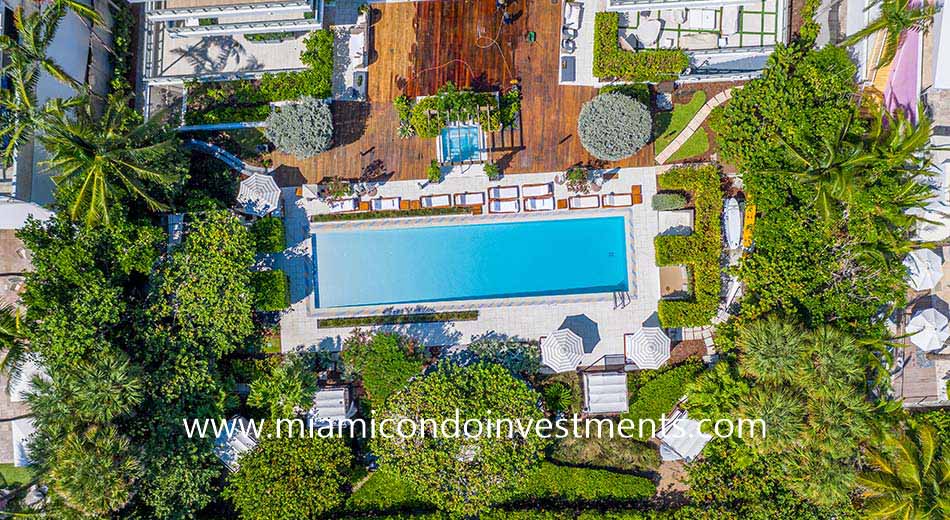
[694, 124]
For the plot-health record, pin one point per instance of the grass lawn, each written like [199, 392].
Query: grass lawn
[697, 144]
[670, 124]
[12, 476]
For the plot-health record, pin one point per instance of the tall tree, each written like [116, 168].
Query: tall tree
[13, 346]
[896, 17]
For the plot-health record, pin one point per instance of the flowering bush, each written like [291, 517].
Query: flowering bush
[613, 126]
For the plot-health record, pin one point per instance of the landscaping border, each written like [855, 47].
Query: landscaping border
[398, 319]
[392, 213]
[612, 62]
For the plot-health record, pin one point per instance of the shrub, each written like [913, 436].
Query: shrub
[654, 393]
[268, 235]
[613, 126]
[668, 201]
[517, 356]
[303, 129]
[430, 114]
[284, 388]
[610, 61]
[582, 484]
[394, 213]
[385, 491]
[271, 290]
[399, 319]
[492, 171]
[607, 452]
[558, 397]
[434, 172]
[638, 91]
[578, 181]
[385, 362]
[699, 251]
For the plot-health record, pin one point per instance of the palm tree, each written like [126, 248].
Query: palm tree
[102, 161]
[910, 477]
[13, 347]
[771, 350]
[35, 33]
[896, 17]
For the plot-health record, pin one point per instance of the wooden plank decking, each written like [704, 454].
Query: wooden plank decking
[418, 46]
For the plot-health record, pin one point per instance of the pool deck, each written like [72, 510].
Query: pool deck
[524, 318]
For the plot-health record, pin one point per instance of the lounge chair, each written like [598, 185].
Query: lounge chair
[537, 190]
[617, 200]
[572, 14]
[435, 201]
[385, 204]
[539, 203]
[503, 192]
[469, 198]
[503, 206]
[344, 205]
[584, 202]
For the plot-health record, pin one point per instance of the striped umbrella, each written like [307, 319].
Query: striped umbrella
[259, 195]
[562, 350]
[924, 269]
[648, 347]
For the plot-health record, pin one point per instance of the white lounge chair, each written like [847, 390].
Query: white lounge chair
[539, 203]
[617, 200]
[470, 199]
[503, 206]
[537, 190]
[344, 205]
[583, 202]
[503, 192]
[385, 204]
[435, 201]
[572, 14]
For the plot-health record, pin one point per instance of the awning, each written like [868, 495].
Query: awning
[562, 350]
[682, 439]
[929, 329]
[924, 269]
[605, 392]
[259, 195]
[648, 347]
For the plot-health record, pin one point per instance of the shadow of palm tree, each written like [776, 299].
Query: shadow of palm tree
[212, 54]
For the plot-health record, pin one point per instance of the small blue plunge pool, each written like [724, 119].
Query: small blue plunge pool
[470, 262]
[459, 144]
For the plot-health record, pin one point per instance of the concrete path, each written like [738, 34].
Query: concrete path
[693, 125]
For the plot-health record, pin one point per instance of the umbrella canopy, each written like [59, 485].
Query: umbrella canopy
[924, 269]
[584, 327]
[648, 347]
[929, 329]
[937, 225]
[562, 350]
[259, 195]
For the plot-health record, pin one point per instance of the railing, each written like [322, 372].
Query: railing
[183, 13]
[244, 27]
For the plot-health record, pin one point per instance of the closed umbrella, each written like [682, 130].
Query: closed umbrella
[924, 269]
[562, 350]
[259, 195]
[648, 347]
[929, 329]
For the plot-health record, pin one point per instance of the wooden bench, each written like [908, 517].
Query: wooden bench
[637, 194]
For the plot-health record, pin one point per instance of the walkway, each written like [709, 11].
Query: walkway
[694, 124]
[233, 161]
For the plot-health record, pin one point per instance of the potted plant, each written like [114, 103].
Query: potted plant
[492, 171]
[577, 180]
[434, 172]
[337, 188]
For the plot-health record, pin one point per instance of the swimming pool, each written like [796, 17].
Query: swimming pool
[459, 144]
[469, 262]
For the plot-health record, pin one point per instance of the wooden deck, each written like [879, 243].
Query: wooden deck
[417, 47]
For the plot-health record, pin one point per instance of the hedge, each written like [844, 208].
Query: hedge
[398, 319]
[268, 235]
[384, 363]
[638, 91]
[668, 201]
[657, 392]
[271, 290]
[699, 252]
[612, 62]
[385, 491]
[395, 213]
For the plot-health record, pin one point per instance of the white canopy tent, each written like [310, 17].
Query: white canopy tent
[648, 347]
[605, 392]
[258, 195]
[929, 329]
[682, 438]
[562, 350]
[924, 269]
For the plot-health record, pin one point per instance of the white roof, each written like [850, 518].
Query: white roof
[14, 212]
[22, 430]
[682, 438]
[605, 392]
[230, 448]
[331, 405]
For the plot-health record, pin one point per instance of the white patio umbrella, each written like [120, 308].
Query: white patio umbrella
[648, 347]
[937, 225]
[929, 329]
[562, 350]
[259, 195]
[924, 269]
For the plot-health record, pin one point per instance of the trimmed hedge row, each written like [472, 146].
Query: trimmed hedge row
[398, 319]
[395, 213]
[699, 252]
[268, 235]
[271, 290]
[612, 62]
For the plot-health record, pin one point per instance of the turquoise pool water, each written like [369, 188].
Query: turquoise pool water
[459, 143]
[475, 261]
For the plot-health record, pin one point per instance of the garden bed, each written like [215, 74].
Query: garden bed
[612, 62]
[398, 319]
[370, 215]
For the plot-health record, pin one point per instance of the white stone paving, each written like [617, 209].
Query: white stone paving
[530, 318]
